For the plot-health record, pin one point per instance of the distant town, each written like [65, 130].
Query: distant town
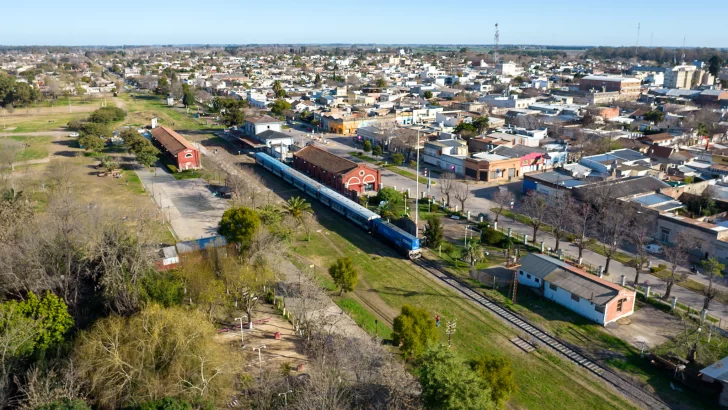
[363, 226]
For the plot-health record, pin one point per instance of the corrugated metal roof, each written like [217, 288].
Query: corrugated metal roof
[581, 286]
[717, 370]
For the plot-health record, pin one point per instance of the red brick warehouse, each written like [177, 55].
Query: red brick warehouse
[183, 154]
[340, 174]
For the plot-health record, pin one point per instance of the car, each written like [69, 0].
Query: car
[654, 249]
[482, 217]
[74, 134]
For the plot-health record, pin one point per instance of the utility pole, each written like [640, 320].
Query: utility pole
[638, 34]
[242, 337]
[417, 185]
[451, 328]
[496, 40]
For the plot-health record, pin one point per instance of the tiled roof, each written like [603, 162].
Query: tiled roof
[263, 119]
[325, 160]
[170, 140]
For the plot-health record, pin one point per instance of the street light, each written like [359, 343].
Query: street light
[285, 396]
[260, 359]
[242, 338]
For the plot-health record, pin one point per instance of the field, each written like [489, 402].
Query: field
[387, 282]
[32, 148]
[143, 107]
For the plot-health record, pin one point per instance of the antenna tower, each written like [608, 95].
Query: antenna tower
[683, 49]
[497, 40]
[638, 34]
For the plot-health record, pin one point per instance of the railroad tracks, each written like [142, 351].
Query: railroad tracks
[626, 387]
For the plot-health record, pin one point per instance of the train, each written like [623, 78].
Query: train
[362, 217]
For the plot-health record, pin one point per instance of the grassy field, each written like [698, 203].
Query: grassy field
[35, 123]
[143, 107]
[389, 282]
[37, 147]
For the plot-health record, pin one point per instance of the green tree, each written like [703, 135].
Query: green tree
[713, 269]
[427, 95]
[92, 143]
[465, 129]
[298, 208]
[317, 80]
[390, 195]
[106, 115]
[233, 116]
[381, 82]
[414, 330]
[367, 147]
[397, 159]
[169, 403]
[163, 86]
[51, 315]
[480, 124]
[474, 252]
[163, 288]
[377, 150]
[188, 96]
[65, 404]
[96, 129]
[344, 274]
[148, 155]
[449, 383]
[277, 107]
[238, 225]
[108, 163]
[497, 371]
[654, 116]
[434, 232]
[714, 65]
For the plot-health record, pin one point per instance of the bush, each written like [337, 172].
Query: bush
[491, 237]
[397, 158]
[390, 195]
[107, 115]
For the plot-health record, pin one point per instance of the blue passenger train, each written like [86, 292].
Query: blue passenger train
[361, 216]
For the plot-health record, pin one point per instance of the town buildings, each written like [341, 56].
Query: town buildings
[182, 154]
[344, 176]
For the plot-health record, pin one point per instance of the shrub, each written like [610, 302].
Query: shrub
[491, 237]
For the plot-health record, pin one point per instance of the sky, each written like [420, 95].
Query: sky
[556, 22]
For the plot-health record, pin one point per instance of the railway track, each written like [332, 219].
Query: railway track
[626, 387]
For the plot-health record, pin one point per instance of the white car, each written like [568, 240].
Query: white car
[73, 134]
[654, 249]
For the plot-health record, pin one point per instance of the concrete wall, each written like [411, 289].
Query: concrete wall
[525, 278]
[583, 307]
[695, 189]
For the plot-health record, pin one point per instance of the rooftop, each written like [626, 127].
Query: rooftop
[263, 119]
[325, 160]
[170, 140]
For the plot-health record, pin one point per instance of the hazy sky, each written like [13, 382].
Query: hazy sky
[613, 23]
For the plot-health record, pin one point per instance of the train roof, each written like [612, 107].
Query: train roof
[396, 228]
[353, 206]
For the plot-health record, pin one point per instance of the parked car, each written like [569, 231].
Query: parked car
[483, 216]
[654, 249]
[74, 134]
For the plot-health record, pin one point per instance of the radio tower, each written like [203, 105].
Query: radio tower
[638, 34]
[497, 39]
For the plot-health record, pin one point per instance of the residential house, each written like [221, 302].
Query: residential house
[255, 125]
[448, 154]
[487, 167]
[590, 296]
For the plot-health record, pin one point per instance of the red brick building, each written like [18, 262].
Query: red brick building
[340, 174]
[183, 155]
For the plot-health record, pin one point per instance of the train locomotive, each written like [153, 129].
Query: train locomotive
[359, 215]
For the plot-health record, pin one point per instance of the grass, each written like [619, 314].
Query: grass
[364, 318]
[37, 149]
[43, 122]
[395, 282]
[143, 107]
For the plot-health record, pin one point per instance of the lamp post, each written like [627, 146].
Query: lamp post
[285, 397]
[260, 359]
[417, 185]
[242, 337]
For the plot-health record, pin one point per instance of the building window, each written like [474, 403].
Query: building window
[599, 308]
[520, 272]
[537, 280]
[620, 302]
[188, 155]
[574, 297]
[665, 235]
[553, 287]
[528, 276]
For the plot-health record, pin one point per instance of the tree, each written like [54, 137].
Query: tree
[654, 116]
[497, 371]
[317, 80]
[535, 206]
[381, 83]
[481, 124]
[297, 208]
[715, 63]
[154, 354]
[48, 314]
[474, 252]
[377, 150]
[713, 269]
[148, 155]
[233, 116]
[108, 163]
[279, 106]
[91, 143]
[638, 235]
[344, 274]
[65, 404]
[414, 330]
[188, 96]
[427, 95]
[447, 183]
[676, 254]
[503, 198]
[397, 159]
[449, 383]
[106, 115]
[465, 129]
[461, 192]
[163, 86]
[558, 216]
[367, 147]
[434, 232]
[238, 225]
[581, 223]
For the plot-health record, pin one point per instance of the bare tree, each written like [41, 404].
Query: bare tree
[503, 198]
[461, 192]
[447, 182]
[613, 228]
[676, 254]
[558, 216]
[535, 206]
[639, 236]
[581, 223]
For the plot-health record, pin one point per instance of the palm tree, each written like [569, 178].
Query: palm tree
[297, 208]
[474, 252]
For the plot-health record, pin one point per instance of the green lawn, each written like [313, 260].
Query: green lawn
[364, 318]
[545, 381]
[37, 148]
[142, 107]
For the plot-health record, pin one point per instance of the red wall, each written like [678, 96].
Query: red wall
[188, 163]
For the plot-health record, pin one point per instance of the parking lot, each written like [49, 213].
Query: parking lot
[188, 205]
